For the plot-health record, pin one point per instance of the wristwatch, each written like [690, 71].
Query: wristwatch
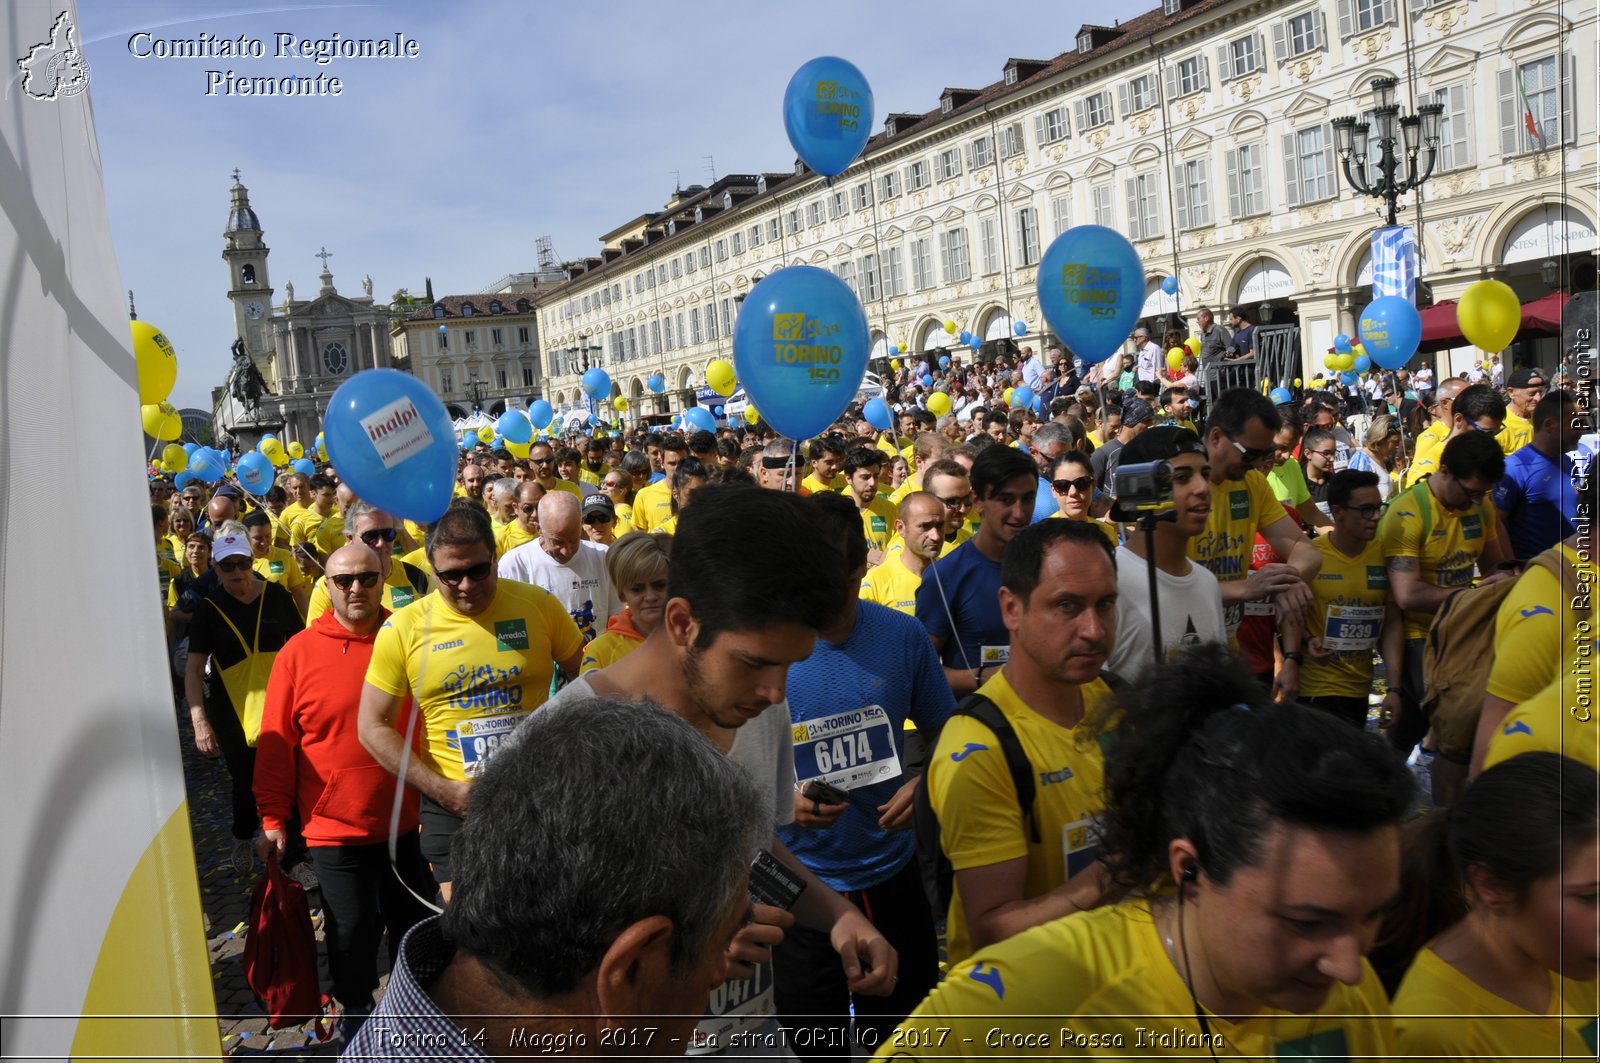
[1292, 655]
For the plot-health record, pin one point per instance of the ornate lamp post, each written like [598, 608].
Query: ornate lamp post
[476, 389]
[1417, 133]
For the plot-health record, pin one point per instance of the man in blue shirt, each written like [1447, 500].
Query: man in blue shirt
[959, 600]
[1536, 497]
[871, 671]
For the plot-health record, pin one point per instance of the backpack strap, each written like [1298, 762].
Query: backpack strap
[988, 713]
[1421, 491]
[1554, 560]
[417, 577]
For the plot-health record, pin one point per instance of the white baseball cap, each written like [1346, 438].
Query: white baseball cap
[230, 546]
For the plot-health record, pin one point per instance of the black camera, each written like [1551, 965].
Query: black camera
[1141, 488]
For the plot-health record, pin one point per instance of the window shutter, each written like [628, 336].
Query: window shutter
[1391, 12]
[1330, 161]
[1172, 81]
[1122, 95]
[1260, 55]
[1457, 105]
[1180, 192]
[1322, 31]
[1200, 205]
[1291, 170]
[1347, 20]
[1205, 74]
[1038, 130]
[1224, 63]
[1159, 216]
[1077, 110]
[1510, 113]
[1235, 200]
[1569, 85]
[1280, 41]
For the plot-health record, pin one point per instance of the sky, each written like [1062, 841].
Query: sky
[516, 120]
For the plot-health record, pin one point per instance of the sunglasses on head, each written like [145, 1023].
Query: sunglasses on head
[476, 573]
[233, 564]
[1081, 484]
[344, 579]
[378, 535]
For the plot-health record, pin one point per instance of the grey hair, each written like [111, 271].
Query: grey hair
[505, 489]
[1052, 432]
[230, 527]
[358, 509]
[549, 867]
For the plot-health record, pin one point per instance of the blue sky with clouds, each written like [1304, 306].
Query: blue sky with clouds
[518, 119]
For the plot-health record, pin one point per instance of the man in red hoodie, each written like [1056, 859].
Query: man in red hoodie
[310, 761]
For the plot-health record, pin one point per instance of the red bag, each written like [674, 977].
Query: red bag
[280, 953]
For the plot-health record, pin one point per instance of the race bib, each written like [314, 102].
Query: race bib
[994, 655]
[480, 736]
[1232, 613]
[737, 1005]
[1080, 845]
[848, 749]
[1352, 628]
[1260, 607]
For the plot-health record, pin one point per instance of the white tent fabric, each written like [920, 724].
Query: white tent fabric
[99, 905]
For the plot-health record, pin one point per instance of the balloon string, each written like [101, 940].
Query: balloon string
[405, 759]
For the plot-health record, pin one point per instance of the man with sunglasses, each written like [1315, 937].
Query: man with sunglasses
[1239, 444]
[1353, 611]
[524, 527]
[310, 765]
[403, 582]
[1477, 408]
[478, 654]
[1436, 534]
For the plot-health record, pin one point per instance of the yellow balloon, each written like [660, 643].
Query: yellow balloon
[296, 450]
[620, 404]
[1297, 382]
[720, 377]
[938, 404]
[161, 421]
[894, 363]
[751, 415]
[1175, 359]
[519, 450]
[1006, 396]
[951, 327]
[486, 434]
[174, 458]
[1193, 344]
[155, 360]
[1489, 315]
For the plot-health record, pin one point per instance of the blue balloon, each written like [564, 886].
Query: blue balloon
[393, 443]
[975, 343]
[944, 361]
[541, 413]
[927, 380]
[468, 440]
[190, 448]
[206, 466]
[593, 422]
[255, 473]
[597, 383]
[1363, 364]
[1342, 344]
[1349, 377]
[1169, 285]
[800, 345]
[1044, 505]
[827, 112]
[894, 348]
[303, 466]
[1091, 290]
[183, 479]
[1281, 396]
[966, 337]
[877, 413]
[514, 426]
[657, 383]
[1390, 330]
[698, 418]
[1019, 327]
[1022, 396]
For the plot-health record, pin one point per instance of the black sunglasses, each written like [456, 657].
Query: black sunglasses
[1082, 483]
[599, 518]
[476, 573]
[233, 564]
[377, 535]
[344, 579]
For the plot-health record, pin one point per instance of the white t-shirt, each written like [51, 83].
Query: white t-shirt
[581, 585]
[1191, 613]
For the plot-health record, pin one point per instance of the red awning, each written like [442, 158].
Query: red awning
[1439, 326]
[1544, 315]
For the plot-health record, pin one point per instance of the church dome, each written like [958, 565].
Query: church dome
[241, 218]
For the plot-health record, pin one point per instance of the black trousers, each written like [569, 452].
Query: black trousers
[1347, 708]
[362, 896]
[1409, 728]
[809, 984]
[240, 758]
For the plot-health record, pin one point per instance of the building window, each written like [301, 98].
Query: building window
[1171, 7]
[444, 340]
[527, 376]
[917, 176]
[689, 263]
[894, 274]
[861, 196]
[792, 221]
[753, 236]
[1299, 34]
[1100, 195]
[889, 185]
[774, 229]
[1061, 213]
[446, 383]
[501, 374]
[1188, 76]
[1241, 56]
[1011, 140]
[1094, 111]
[495, 337]
[471, 338]
[837, 207]
[655, 336]
[695, 335]
[1138, 94]
[438, 311]
[988, 245]
[1455, 139]
[666, 332]
[335, 359]
[1051, 126]
[1144, 206]
[677, 268]
[1193, 195]
[661, 272]
[727, 317]
[720, 249]
[814, 213]
[980, 152]
[1308, 162]
[710, 317]
[868, 272]
[466, 310]
[947, 165]
[1360, 16]
[846, 271]
[605, 296]
[1085, 42]
[1531, 108]
[1247, 180]
[738, 243]
[922, 264]
[953, 256]
[1027, 236]
[522, 334]
[247, 274]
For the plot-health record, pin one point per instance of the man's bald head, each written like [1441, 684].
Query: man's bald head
[529, 492]
[221, 508]
[356, 606]
[561, 525]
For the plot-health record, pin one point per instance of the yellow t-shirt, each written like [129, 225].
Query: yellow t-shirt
[1515, 433]
[912, 483]
[1440, 1013]
[1532, 628]
[877, 521]
[1094, 438]
[892, 584]
[419, 558]
[980, 822]
[398, 592]
[652, 504]
[607, 649]
[588, 476]
[569, 487]
[290, 514]
[1349, 596]
[475, 677]
[1426, 459]
[909, 452]
[1445, 543]
[510, 537]
[167, 568]
[1105, 527]
[279, 567]
[326, 534]
[666, 527]
[624, 516]
[1099, 984]
[890, 450]
[1554, 721]
[815, 485]
[1240, 509]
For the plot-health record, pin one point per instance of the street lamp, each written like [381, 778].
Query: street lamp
[476, 389]
[1550, 273]
[1417, 133]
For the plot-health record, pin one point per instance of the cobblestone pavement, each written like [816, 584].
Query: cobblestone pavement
[225, 900]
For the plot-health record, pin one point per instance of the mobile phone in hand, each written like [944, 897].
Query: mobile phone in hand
[817, 790]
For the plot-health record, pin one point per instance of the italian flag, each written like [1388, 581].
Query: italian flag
[1528, 120]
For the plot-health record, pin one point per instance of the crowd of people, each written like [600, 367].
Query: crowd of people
[1107, 722]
